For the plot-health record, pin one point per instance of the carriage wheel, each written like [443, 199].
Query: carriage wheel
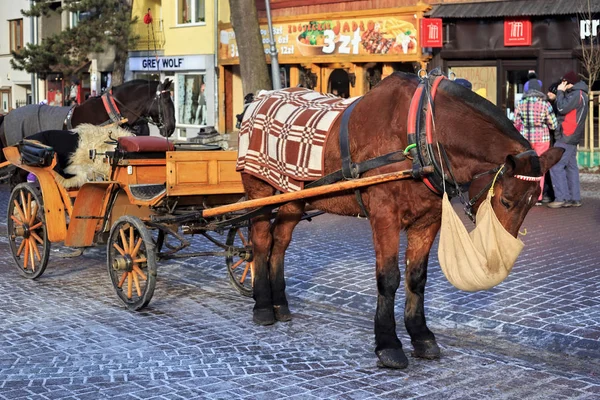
[131, 260]
[26, 227]
[240, 266]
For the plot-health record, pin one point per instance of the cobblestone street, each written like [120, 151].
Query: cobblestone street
[535, 336]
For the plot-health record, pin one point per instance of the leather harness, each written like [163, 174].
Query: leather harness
[111, 108]
[419, 149]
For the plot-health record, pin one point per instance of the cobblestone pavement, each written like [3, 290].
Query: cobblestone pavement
[535, 336]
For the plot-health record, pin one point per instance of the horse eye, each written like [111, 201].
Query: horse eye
[505, 202]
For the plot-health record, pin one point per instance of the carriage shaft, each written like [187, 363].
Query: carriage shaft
[312, 192]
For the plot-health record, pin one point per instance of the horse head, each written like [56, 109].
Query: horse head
[140, 99]
[516, 187]
[162, 110]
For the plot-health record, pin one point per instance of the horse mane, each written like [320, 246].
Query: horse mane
[487, 109]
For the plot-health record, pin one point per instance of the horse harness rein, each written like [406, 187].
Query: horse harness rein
[420, 150]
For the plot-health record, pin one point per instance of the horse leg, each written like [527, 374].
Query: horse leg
[386, 239]
[262, 241]
[288, 217]
[420, 238]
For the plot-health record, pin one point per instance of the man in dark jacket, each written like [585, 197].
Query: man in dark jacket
[572, 109]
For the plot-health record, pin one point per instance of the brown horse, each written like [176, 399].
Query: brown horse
[478, 139]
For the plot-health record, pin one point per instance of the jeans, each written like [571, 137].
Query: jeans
[565, 174]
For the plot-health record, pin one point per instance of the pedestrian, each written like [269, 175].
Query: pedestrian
[572, 109]
[534, 118]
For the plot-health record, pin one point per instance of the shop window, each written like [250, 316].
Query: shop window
[16, 34]
[190, 12]
[284, 75]
[339, 83]
[374, 75]
[190, 100]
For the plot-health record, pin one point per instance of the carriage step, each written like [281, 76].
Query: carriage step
[147, 192]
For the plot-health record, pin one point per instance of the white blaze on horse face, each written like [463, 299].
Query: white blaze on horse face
[529, 199]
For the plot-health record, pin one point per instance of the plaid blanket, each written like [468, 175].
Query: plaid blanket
[283, 133]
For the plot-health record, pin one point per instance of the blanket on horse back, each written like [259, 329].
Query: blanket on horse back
[25, 121]
[283, 133]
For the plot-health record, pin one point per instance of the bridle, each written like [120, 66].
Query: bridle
[157, 97]
[422, 149]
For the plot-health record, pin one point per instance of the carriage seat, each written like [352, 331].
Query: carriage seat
[145, 144]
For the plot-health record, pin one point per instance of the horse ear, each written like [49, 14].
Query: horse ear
[510, 164]
[550, 157]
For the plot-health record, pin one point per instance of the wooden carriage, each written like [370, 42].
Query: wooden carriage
[157, 192]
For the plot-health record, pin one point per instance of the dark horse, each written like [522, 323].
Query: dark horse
[477, 137]
[137, 100]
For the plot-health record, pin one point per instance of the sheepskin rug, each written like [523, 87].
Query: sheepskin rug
[81, 166]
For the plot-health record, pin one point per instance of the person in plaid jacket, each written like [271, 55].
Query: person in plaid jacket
[534, 118]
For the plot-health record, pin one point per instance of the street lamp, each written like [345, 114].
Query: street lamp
[273, 50]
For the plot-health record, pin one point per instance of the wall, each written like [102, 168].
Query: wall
[188, 39]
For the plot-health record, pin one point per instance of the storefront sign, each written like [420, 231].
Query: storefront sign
[517, 32]
[589, 28]
[376, 35]
[431, 32]
[173, 63]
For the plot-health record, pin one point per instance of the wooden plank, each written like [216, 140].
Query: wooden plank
[202, 172]
[54, 209]
[312, 192]
[88, 210]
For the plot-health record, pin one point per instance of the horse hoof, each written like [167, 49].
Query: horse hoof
[282, 313]
[264, 316]
[392, 358]
[427, 349]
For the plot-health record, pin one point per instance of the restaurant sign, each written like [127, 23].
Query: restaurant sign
[431, 32]
[384, 35]
[517, 32]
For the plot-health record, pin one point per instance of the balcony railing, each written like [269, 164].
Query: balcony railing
[149, 38]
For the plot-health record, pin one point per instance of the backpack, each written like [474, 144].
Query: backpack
[569, 125]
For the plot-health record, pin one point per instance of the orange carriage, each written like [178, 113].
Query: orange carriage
[157, 192]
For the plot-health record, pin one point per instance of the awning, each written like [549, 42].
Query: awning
[515, 8]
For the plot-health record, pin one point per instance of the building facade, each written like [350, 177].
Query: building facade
[179, 44]
[15, 86]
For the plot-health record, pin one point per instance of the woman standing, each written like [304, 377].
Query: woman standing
[534, 118]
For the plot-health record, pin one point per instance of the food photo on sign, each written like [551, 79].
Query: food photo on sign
[383, 35]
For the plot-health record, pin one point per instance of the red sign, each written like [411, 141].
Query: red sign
[517, 32]
[431, 32]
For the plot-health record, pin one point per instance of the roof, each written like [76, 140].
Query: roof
[514, 8]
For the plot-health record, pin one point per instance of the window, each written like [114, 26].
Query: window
[190, 12]
[5, 102]
[16, 34]
[190, 100]
[74, 19]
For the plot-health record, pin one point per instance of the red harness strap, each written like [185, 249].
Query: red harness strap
[111, 107]
[421, 100]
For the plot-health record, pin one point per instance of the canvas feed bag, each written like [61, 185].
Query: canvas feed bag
[479, 260]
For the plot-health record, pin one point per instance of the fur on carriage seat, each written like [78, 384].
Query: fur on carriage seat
[81, 165]
[145, 144]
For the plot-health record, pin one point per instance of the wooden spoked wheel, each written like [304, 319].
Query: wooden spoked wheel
[131, 260]
[26, 227]
[240, 266]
